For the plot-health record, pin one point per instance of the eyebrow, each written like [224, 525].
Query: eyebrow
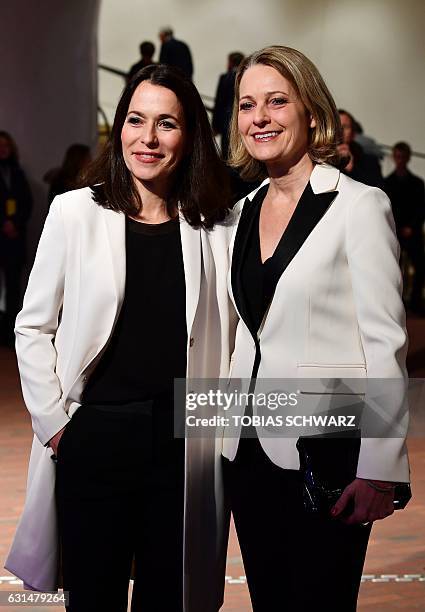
[268, 93]
[162, 116]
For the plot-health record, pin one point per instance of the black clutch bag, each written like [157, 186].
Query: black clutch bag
[328, 464]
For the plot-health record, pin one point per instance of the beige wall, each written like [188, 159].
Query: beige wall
[371, 52]
[48, 76]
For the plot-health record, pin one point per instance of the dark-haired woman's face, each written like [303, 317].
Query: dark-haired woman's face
[5, 148]
[153, 136]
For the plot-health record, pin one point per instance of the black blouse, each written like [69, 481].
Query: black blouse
[147, 349]
[259, 280]
[253, 282]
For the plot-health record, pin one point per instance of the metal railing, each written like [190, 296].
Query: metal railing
[123, 74]
[206, 98]
[389, 148]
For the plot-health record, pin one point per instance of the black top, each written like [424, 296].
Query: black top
[257, 277]
[254, 283]
[259, 280]
[366, 168]
[142, 63]
[15, 206]
[147, 349]
[176, 53]
[224, 102]
[407, 195]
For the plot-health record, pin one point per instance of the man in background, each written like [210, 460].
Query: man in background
[224, 101]
[147, 50]
[361, 166]
[15, 210]
[175, 52]
[407, 194]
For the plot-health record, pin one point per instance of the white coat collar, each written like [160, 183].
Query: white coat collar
[115, 224]
[191, 248]
[324, 178]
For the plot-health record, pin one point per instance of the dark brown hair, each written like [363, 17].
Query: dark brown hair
[403, 147]
[201, 186]
[14, 156]
[77, 156]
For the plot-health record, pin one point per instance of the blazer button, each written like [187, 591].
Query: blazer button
[191, 342]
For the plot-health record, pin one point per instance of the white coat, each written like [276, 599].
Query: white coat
[336, 313]
[71, 304]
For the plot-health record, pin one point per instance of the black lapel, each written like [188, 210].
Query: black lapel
[243, 231]
[309, 211]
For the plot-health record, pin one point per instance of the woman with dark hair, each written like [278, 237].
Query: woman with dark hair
[15, 209]
[315, 280]
[127, 293]
[76, 160]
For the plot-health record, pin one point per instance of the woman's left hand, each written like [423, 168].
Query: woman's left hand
[370, 504]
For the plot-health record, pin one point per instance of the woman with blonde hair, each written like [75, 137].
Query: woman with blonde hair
[316, 283]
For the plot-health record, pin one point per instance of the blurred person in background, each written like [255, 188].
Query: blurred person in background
[147, 50]
[222, 115]
[15, 210]
[368, 144]
[361, 166]
[175, 52]
[407, 194]
[65, 178]
[225, 93]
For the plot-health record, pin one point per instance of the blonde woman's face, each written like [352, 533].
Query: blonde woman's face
[272, 120]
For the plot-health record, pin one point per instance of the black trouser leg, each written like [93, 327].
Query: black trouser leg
[293, 561]
[119, 494]
[158, 584]
[12, 284]
[415, 251]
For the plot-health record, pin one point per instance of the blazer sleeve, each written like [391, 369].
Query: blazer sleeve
[372, 253]
[36, 327]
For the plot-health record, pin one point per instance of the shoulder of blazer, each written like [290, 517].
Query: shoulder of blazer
[78, 205]
[351, 190]
[324, 178]
[76, 201]
[237, 209]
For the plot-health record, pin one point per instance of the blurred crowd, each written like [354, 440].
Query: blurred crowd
[363, 157]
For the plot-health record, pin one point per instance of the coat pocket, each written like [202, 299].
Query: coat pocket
[346, 379]
[66, 433]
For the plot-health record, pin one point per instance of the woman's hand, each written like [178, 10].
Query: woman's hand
[371, 502]
[54, 442]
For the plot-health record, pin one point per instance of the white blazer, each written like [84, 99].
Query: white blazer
[336, 313]
[71, 305]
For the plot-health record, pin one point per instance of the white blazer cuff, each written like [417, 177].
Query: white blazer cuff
[47, 425]
[383, 459]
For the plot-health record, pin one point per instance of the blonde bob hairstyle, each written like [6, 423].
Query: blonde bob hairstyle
[314, 94]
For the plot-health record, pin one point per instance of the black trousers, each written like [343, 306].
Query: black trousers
[119, 492]
[12, 270]
[293, 561]
[414, 248]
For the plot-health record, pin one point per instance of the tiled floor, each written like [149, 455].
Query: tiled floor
[397, 547]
